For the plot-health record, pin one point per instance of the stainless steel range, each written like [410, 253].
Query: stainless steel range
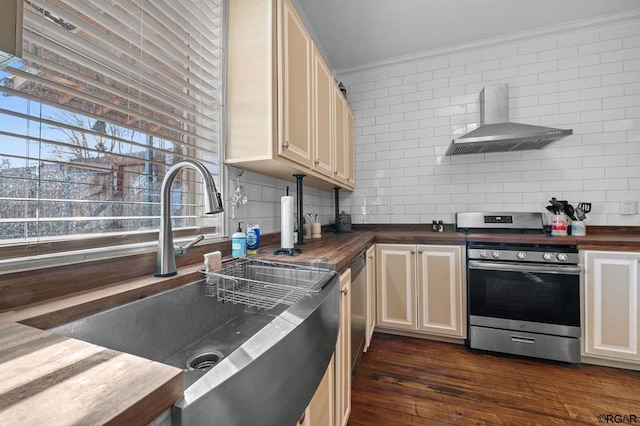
[523, 298]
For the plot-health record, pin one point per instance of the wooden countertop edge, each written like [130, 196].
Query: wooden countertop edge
[137, 390]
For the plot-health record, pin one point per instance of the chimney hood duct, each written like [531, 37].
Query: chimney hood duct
[496, 134]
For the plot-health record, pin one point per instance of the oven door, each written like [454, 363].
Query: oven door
[531, 297]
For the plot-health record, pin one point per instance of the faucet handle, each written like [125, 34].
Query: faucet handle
[182, 250]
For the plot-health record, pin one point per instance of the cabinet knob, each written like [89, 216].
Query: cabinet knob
[317, 162]
[335, 173]
[419, 251]
[413, 252]
[285, 145]
[371, 257]
[344, 291]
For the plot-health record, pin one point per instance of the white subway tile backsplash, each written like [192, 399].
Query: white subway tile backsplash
[538, 67]
[621, 55]
[500, 74]
[418, 77]
[618, 125]
[554, 98]
[621, 101]
[555, 54]
[579, 61]
[468, 57]
[389, 100]
[601, 69]
[604, 138]
[402, 70]
[631, 65]
[561, 75]
[622, 172]
[482, 66]
[621, 78]
[407, 113]
[600, 46]
[575, 39]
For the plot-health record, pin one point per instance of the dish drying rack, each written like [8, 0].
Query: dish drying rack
[264, 284]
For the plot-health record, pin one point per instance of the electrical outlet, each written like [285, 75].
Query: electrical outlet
[627, 207]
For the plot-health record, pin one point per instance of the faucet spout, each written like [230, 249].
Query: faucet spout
[166, 259]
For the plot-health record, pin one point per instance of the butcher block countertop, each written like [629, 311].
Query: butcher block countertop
[54, 380]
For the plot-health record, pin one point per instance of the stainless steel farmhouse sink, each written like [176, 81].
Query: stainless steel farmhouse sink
[253, 339]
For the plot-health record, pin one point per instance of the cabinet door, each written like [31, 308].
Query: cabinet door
[371, 295]
[295, 88]
[339, 132]
[349, 141]
[323, 138]
[440, 296]
[320, 411]
[396, 266]
[611, 300]
[343, 353]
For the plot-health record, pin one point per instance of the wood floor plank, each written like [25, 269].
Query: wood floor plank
[408, 381]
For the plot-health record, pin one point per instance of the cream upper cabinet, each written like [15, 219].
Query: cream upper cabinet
[349, 148]
[343, 352]
[420, 288]
[611, 297]
[280, 97]
[295, 90]
[344, 140]
[323, 138]
[340, 129]
[371, 296]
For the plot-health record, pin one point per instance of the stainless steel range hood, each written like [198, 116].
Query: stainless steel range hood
[497, 134]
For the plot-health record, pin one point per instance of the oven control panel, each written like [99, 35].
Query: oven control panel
[523, 255]
[498, 219]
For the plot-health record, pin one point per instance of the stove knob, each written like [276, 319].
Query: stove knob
[521, 255]
[561, 257]
[547, 256]
[495, 254]
[484, 254]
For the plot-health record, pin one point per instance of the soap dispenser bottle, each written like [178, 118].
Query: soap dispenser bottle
[239, 243]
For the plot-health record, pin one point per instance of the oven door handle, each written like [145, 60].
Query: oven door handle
[519, 267]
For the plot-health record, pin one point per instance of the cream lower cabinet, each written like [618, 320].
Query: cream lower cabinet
[321, 409]
[611, 327]
[371, 296]
[343, 353]
[420, 288]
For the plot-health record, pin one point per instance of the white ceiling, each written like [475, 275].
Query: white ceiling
[352, 33]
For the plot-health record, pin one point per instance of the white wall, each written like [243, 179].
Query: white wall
[407, 112]
[263, 205]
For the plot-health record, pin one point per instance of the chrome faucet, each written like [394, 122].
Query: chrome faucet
[166, 262]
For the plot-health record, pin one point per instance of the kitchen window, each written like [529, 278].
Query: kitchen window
[107, 96]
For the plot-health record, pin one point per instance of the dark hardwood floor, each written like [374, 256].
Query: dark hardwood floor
[408, 381]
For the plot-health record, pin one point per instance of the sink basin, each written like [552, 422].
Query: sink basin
[242, 364]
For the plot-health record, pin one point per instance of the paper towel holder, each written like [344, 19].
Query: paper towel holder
[286, 250]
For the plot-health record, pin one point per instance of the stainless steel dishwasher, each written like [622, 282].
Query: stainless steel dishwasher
[358, 306]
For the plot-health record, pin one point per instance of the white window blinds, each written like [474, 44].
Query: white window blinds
[108, 95]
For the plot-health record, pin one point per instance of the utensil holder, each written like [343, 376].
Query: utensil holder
[578, 228]
[315, 230]
[559, 225]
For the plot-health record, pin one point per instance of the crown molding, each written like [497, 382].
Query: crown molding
[313, 33]
[591, 24]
